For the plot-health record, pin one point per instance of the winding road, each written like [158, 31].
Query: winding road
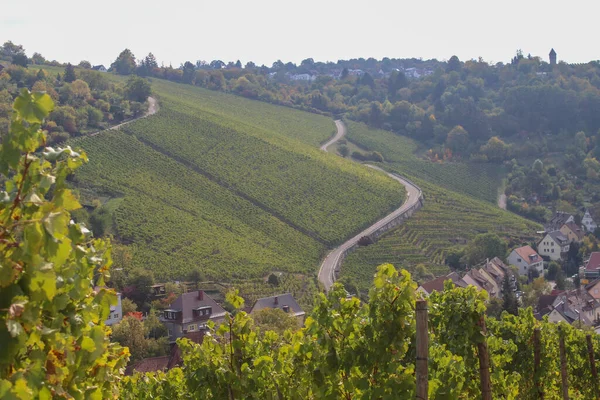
[152, 109]
[413, 194]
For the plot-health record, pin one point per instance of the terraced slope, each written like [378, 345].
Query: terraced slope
[448, 218]
[236, 190]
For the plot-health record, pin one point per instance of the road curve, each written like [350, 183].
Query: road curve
[341, 131]
[413, 193]
[152, 109]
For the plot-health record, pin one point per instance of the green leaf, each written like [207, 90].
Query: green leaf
[88, 344]
[33, 108]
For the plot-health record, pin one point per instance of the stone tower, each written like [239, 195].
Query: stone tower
[552, 57]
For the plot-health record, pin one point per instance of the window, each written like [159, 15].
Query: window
[170, 332]
[115, 315]
[518, 260]
[553, 250]
[191, 327]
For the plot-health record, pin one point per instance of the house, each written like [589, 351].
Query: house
[558, 220]
[100, 68]
[575, 305]
[189, 313]
[284, 302]
[303, 77]
[554, 245]
[593, 288]
[526, 259]
[592, 267]
[588, 222]
[544, 306]
[434, 285]
[116, 312]
[497, 269]
[573, 232]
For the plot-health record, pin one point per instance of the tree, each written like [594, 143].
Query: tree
[509, 299]
[20, 60]
[458, 140]
[85, 64]
[48, 270]
[486, 245]
[139, 284]
[274, 319]
[553, 270]
[128, 306]
[454, 64]
[273, 280]
[130, 333]
[9, 50]
[150, 61]
[69, 75]
[344, 150]
[138, 89]
[533, 291]
[561, 283]
[125, 63]
[422, 274]
[455, 257]
[38, 59]
[495, 149]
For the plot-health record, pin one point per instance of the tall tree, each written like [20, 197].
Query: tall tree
[69, 75]
[486, 245]
[125, 63]
[509, 299]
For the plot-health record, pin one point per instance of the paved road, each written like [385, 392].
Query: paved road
[327, 270]
[341, 131]
[152, 109]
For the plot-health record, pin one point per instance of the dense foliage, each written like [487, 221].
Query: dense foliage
[354, 350]
[54, 342]
[86, 100]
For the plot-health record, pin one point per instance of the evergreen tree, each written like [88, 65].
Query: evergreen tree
[70, 73]
[509, 300]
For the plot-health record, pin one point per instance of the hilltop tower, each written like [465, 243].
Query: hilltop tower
[552, 57]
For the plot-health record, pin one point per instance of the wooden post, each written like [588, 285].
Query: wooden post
[537, 361]
[484, 363]
[590, 347]
[563, 365]
[422, 350]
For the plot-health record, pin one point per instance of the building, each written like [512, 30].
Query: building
[593, 288]
[554, 245]
[552, 57]
[592, 267]
[527, 260]
[284, 302]
[575, 305]
[100, 68]
[588, 222]
[573, 232]
[116, 312]
[189, 313]
[558, 220]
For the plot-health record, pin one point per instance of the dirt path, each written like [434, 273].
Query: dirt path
[502, 201]
[333, 259]
[152, 109]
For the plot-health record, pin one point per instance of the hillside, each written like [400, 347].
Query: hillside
[228, 186]
[448, 218]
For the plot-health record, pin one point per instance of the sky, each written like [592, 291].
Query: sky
[264, 31]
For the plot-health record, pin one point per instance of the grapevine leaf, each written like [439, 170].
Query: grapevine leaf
[33, 107]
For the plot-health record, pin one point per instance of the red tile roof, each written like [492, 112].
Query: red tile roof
[436, 284]
[527, 251]
[594, 262]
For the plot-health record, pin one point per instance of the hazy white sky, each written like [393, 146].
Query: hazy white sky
[266, 30]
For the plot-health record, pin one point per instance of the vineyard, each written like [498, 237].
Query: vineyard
[481, 181]
[203, 190]
[448, 218]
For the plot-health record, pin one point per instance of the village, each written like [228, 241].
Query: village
[185, 312]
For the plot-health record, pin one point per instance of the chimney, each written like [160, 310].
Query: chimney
[276, 301]
[200, 295]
